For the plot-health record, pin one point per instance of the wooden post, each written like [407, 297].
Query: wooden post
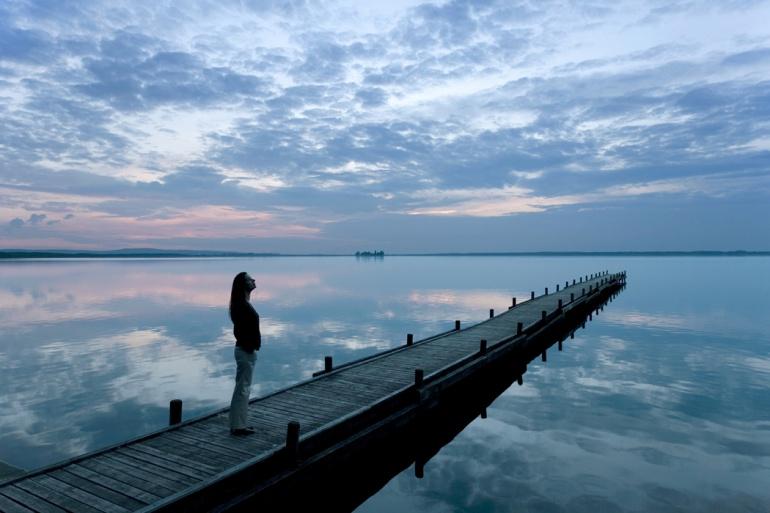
[409, 339]
[519, 327]
[544, 356]
[532, 295]
[327, 363]
[457, 325]
[491, 312]
[590, 317]
[543, 314]
[482, 347]
[571, 297]
[566, 284]
[419, 468]
[573, 281]
[581, 279]
[513, 302]
[560, 304]
[483, 413]
[572, 335]
[292, 440]
[174, 412]
[546, 291]
[520, 380]
[418, 377]
[559, 345]
[584, 292]
[557, 287]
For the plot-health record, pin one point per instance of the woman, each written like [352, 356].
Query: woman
[247, 341]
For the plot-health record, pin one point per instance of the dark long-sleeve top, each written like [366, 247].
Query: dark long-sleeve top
[246, 327]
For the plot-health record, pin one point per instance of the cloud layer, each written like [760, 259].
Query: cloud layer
[317, 126]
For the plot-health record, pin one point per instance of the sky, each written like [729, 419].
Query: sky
[407, 126]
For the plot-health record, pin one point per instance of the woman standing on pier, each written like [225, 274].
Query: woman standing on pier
[247, 342]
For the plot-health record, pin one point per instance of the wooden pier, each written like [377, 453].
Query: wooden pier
[314, 427]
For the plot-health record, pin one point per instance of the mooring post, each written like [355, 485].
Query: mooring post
[571, 297]
[513, 302]
[174, 412]
[482, 346]
[543, 314]
[292, 440]
[457, 325]
[581, 279]
[560, 305]
[566, 284]
[573, 281]
[418, 377]
[327, 363]
[491, 312]
[519, 327]
[483, 413]
[557, 287]
[520, 380]
[546, 291]
[559, 345]
[419, 468]
[584, 292]
[590, 317]
[544, 356]
[532, 295]
[409, 339]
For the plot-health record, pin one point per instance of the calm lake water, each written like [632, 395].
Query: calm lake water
[661, 404]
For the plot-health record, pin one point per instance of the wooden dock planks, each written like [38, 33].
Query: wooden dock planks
[138, 475]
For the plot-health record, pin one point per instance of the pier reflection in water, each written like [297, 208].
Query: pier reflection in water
[342, 482]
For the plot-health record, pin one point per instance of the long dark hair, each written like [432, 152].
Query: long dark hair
[238, 292]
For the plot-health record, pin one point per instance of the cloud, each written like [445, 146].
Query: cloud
[324, 114]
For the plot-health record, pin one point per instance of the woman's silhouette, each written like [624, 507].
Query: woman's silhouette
[247, 341]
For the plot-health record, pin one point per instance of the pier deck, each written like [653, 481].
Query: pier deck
[198, 466]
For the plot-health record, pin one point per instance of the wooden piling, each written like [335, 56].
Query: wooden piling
[174, 412]
[560, 348]
[327, 363]
[418, 377]
[409, 339]
[513, 302]
[532, 295]
[457, 325]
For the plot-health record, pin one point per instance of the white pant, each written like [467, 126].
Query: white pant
[239, 405]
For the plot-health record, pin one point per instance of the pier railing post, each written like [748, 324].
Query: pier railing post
[560, 347]
[532, 295]
[174, 412]
[557, 287]
[419, 376]
[482, 347]
[560, 304]
[327, 363]
[571, 296]
[457, 325]
[292, 441]
[409, 339]
[491, 312]
[546, 291]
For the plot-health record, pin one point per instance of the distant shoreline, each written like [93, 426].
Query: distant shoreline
[21, 254]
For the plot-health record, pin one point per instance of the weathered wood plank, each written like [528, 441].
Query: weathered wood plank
[175, 447]
[214, 444]
[10, 506]
[149, 473]
[176, 463]
[250, 446]
[144, 491]
[97, 489]
[60, 494]
[32, 501]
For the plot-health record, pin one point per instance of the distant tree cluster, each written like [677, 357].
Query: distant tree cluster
[370, 254]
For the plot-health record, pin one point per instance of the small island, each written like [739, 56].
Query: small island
[370, 254]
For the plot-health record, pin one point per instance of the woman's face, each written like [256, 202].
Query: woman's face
[250, 283]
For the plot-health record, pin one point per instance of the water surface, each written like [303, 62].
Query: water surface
[661, 404]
